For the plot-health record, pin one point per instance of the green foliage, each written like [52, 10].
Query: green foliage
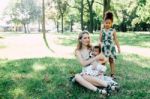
[24, 11]
[144, 7]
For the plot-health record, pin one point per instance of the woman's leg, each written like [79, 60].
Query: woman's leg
[112, 65]
[95, 81]
[88, 85]
[84, 82]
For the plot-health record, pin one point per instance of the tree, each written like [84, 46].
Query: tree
[81, 16]
[106, 6]
[61, 6]
[22, 12]
[90, 5]
[79, 5]
[43, 25]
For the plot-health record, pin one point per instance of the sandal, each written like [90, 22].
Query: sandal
[72, 78]
[115, 88]
[108, 88]
[102, 91]
[113, 76]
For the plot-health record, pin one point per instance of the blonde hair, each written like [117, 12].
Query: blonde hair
[79, 45]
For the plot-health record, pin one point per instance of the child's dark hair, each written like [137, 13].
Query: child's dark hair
[109, 15]
[97, 47]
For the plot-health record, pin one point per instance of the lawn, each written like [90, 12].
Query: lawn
[47, 78]
[128, 38]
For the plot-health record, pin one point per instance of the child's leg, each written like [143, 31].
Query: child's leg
[112, 66]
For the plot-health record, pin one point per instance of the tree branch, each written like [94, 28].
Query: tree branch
[100, 3]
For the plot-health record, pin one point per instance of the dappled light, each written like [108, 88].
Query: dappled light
[18, 92]
[17, 76]
[38, 67]
[144, 63]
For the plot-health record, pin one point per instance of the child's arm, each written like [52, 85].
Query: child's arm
[116, 41]
[103, 59]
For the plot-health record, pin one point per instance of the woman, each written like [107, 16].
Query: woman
[82, 53]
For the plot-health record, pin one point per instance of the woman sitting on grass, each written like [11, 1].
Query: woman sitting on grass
[82, 53]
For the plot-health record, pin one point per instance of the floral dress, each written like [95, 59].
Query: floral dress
[108, 46]
[98, 73]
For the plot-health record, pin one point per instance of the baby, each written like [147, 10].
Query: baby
[95, 68]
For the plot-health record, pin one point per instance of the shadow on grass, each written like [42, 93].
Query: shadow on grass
[47, 78]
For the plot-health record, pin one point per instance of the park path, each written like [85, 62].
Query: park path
[20, 46]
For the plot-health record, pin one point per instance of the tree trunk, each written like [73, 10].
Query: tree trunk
[43, 26]
[62, 22]
[25, 29]
[71, 24]
[106, 6]
[90, 4]
[57, 26]
[39, 26]
[91, 20]
[43, 19]
[82, 7]
[28, 30]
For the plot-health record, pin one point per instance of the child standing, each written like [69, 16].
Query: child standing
[108, 40]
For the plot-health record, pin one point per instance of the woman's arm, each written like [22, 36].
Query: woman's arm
[116, 41]
[85, 62]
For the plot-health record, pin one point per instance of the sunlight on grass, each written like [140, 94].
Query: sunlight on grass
[67, 40]
[21, 76]
[18, 92]
[146, 44]
[2, 46]
[1, 37]
[137, 60]
[128, 38]
[38, 67]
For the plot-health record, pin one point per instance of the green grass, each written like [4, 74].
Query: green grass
[47, 78]
[2, 46]
[131, 39]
